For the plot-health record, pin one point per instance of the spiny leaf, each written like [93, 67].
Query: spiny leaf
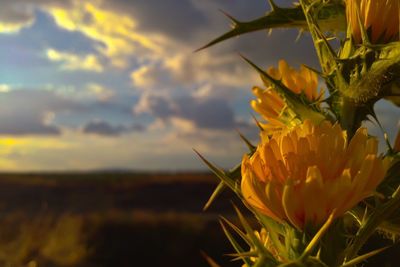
[364, 257]
[238, 256]
[274, 230]
[255, 241]
[325, 52]
[257, 123]
[219, 173]
[234, 175]
[332, 17]
[315, 240]
[217, 191]
[237, 230]
[378, 216]
[250, 146]
[235, 244]
[209, 260]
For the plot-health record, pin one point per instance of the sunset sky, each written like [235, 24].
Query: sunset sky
[88, 85]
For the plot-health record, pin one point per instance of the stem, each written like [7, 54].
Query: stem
[352, 115]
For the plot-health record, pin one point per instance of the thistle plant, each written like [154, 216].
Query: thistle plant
[315, 184]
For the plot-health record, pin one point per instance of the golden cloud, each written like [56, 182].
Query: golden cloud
[74, 62]
[10, 27]
[116, 32]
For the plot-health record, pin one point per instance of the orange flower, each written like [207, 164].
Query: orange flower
[380, 19]
[303, 174]
[270, 104]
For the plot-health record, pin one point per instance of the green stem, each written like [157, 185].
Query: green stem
[352, 115]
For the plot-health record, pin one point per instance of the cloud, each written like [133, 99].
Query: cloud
[101, 92]
[74, 62]
[100, 127]
[16, 15]
[117, 32]
[164, 59]
[30, 112]
[178, 19]
[184, 100]
[149, 76]
[10, 28]
[13, 19]
[204, 113]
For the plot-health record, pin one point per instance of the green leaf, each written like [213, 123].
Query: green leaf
[275, 230]
[364, 257]
[317, 237]
[220, 174]
[237, 230]
[234, 243]
[331, 17]
[263, 252]
[217, 191]
[233, 175]
[372, 222]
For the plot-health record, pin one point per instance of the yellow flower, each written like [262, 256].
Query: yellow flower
[380, 19]
[272, 107]
[302, 175]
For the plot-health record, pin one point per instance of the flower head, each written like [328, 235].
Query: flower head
[272, 106]
[380, 18]
[302, 175]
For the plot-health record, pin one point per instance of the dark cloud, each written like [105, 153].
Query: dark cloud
[44, 33]
[178, 19]
[28, 125]
[204, 113]
[195, 22]
[22, 11]
[26, 112]
[186, 20]
[210, 113]
[104, 128]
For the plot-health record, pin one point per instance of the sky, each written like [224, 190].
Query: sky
[96, 85]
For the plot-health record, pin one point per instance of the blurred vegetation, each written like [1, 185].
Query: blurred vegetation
[115, 220]
[109, 219]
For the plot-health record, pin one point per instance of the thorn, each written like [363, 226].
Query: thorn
[250, 146]
[226, 14]
[387, 141]
[301, 31]
[209, 260]
[273, 6]
[257, 123]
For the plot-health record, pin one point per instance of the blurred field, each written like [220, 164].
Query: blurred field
[116, 220]
[109, 219]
